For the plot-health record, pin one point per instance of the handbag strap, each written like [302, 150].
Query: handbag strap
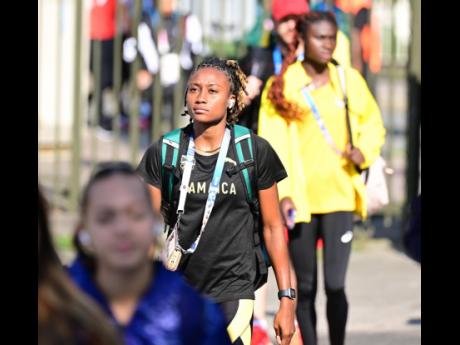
[319, 120]
[341, 73]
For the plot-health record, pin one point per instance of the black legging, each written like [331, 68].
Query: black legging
[333, 229]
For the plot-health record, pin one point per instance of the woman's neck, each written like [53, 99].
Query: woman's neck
[208, 137]
[300, 49]
[124, 289]
[319, 73]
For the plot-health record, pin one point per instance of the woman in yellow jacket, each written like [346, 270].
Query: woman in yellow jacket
[324, 187]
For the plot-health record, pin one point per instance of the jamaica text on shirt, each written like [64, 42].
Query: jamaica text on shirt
[202, 187]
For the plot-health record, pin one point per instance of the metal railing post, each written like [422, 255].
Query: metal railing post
[76, 126]
[157, 107]
[57, 105]
[117, 71]
[135, 96]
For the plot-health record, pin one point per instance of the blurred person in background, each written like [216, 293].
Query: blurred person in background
[115, 267]
[303, 115]
[412, 236]
[102, 33]
[365, 38]
[265, 59]
[168, 44]
[65, 314]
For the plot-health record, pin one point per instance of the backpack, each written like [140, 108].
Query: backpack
[243, 145]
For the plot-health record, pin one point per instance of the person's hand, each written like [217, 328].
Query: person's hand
[284, 321]
[144, 79]
[286, 207]
[253, 87]
[355, 155]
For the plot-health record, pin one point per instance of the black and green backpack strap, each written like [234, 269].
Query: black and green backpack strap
[245, 157]
[170, 146]
[245, 153]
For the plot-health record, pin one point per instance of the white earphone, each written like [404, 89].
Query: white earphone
[84, 238]
[231, 103]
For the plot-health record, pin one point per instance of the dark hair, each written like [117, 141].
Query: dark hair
[291, 111]
[102, 171]
[286, 48]
[237, 80]
[312, 18]
[65, 314]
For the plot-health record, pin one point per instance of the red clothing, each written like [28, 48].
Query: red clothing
[103, 17]
[281, 8]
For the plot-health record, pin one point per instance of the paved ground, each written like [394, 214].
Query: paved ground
[383, 287]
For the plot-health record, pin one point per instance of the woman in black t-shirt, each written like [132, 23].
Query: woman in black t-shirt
[223, 265]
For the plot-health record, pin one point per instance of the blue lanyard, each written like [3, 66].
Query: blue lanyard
[213, 188]
[319, 120]
[278, 59]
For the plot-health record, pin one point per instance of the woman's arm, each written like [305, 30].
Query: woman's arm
[155, 197]
[279, 256]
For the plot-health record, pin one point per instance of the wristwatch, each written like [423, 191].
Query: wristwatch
[289, 293]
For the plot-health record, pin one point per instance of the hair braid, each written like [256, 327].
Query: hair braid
[286, 109]
[239, 92]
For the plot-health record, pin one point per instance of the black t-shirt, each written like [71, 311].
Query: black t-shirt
[223, 265]
[259, 63]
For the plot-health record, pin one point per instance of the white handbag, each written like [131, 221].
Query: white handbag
[376, 185]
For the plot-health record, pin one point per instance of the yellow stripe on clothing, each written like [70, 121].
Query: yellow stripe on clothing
[246, 336]
[240, 326]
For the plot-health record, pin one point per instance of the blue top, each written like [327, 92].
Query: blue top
[170, 312]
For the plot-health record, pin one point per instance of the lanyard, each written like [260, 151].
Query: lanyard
[213, 188]
[278, 59]
[319, 120]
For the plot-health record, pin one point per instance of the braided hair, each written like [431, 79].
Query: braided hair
[237, 80]
[291, 111]
[286, 109]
